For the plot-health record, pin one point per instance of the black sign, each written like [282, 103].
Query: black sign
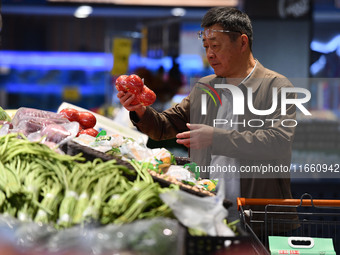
[281, 9]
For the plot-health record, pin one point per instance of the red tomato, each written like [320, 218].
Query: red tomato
[89, 131]
[70, 113]
[121, 83]
[134, 84]
[79, 130]
[87, 120]
[147, 97]
[135, 101]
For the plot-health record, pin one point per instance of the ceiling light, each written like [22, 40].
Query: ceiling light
[178, 12]
[83, 11]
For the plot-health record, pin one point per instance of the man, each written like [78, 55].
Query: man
[242, 141]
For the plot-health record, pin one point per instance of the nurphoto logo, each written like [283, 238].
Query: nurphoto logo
[239, 102]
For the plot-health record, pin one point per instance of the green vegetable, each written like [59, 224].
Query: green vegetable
[4, 115]
[192, 167]
[52, 197]
[37, 183]
[114, 151]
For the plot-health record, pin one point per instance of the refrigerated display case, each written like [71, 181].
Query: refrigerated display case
[45, 79]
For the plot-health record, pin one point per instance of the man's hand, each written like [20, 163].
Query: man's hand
[126, 99]
[200, 136]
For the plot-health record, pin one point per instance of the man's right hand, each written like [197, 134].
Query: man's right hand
[126, 99]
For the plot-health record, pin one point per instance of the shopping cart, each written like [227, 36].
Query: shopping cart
[304, 217]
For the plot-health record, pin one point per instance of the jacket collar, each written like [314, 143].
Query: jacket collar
[253, 82]
[256, 78]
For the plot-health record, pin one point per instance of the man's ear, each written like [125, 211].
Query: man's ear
[244, 42]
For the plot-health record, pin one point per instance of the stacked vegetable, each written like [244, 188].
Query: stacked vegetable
[86, 120]
[38, 184]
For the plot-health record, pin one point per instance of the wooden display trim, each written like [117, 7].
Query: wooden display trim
[89, 153]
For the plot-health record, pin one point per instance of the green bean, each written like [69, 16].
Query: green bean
[66, 209]
[51, 194]
[2, 199]
[4, 140]
[40, 184]
[141, 169]
[161, 211]
[81, 206]
[12, 184]
[143, 199]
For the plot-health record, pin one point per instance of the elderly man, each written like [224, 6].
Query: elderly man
[228, 146]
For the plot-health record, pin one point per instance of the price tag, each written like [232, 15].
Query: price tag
[71, 94]
[121, 51]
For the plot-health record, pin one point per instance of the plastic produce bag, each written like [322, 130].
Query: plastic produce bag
[7, 226]
[4, 129]
[26, 114]
[77, 239]
[44, 126]
[31, 235]
[181, 173]
[23, 236]
[143, 237]
[56, 133]
[203, 213]
[135, 150]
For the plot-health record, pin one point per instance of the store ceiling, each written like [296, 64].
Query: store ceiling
[123, 12]
[113, 8]
[324, 10]
[191, 3]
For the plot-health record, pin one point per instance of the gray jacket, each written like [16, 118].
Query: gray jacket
[268, 145]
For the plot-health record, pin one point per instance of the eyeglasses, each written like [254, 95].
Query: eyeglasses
[210, 32]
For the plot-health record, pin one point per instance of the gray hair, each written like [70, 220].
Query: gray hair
[230, 19]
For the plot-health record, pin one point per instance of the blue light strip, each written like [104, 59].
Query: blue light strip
[91, 61]
[57, 60]
[328, 47]
[136, 61]
[332, 45]
[318, 65]
[51, 89]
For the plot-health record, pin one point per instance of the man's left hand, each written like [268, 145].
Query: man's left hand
[200, 136]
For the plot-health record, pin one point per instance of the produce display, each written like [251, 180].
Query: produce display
[39, 184]
[135, 85]
[162, 164]
[76, 179]
[72, 125]
[60, 194]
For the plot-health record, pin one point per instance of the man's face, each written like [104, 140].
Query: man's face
[223, 55]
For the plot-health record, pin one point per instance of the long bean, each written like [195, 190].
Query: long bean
[52, 197]
[40, 184]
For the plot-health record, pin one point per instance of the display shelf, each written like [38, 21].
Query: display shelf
[89, 153]
[45, 79]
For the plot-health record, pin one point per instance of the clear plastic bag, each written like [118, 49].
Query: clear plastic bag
[47, 127]
[181, 173]
[206, 214]
[25, 114]
[135, 150]
[143, 237]
[4, 129]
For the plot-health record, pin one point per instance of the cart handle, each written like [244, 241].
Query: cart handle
[241, 201]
